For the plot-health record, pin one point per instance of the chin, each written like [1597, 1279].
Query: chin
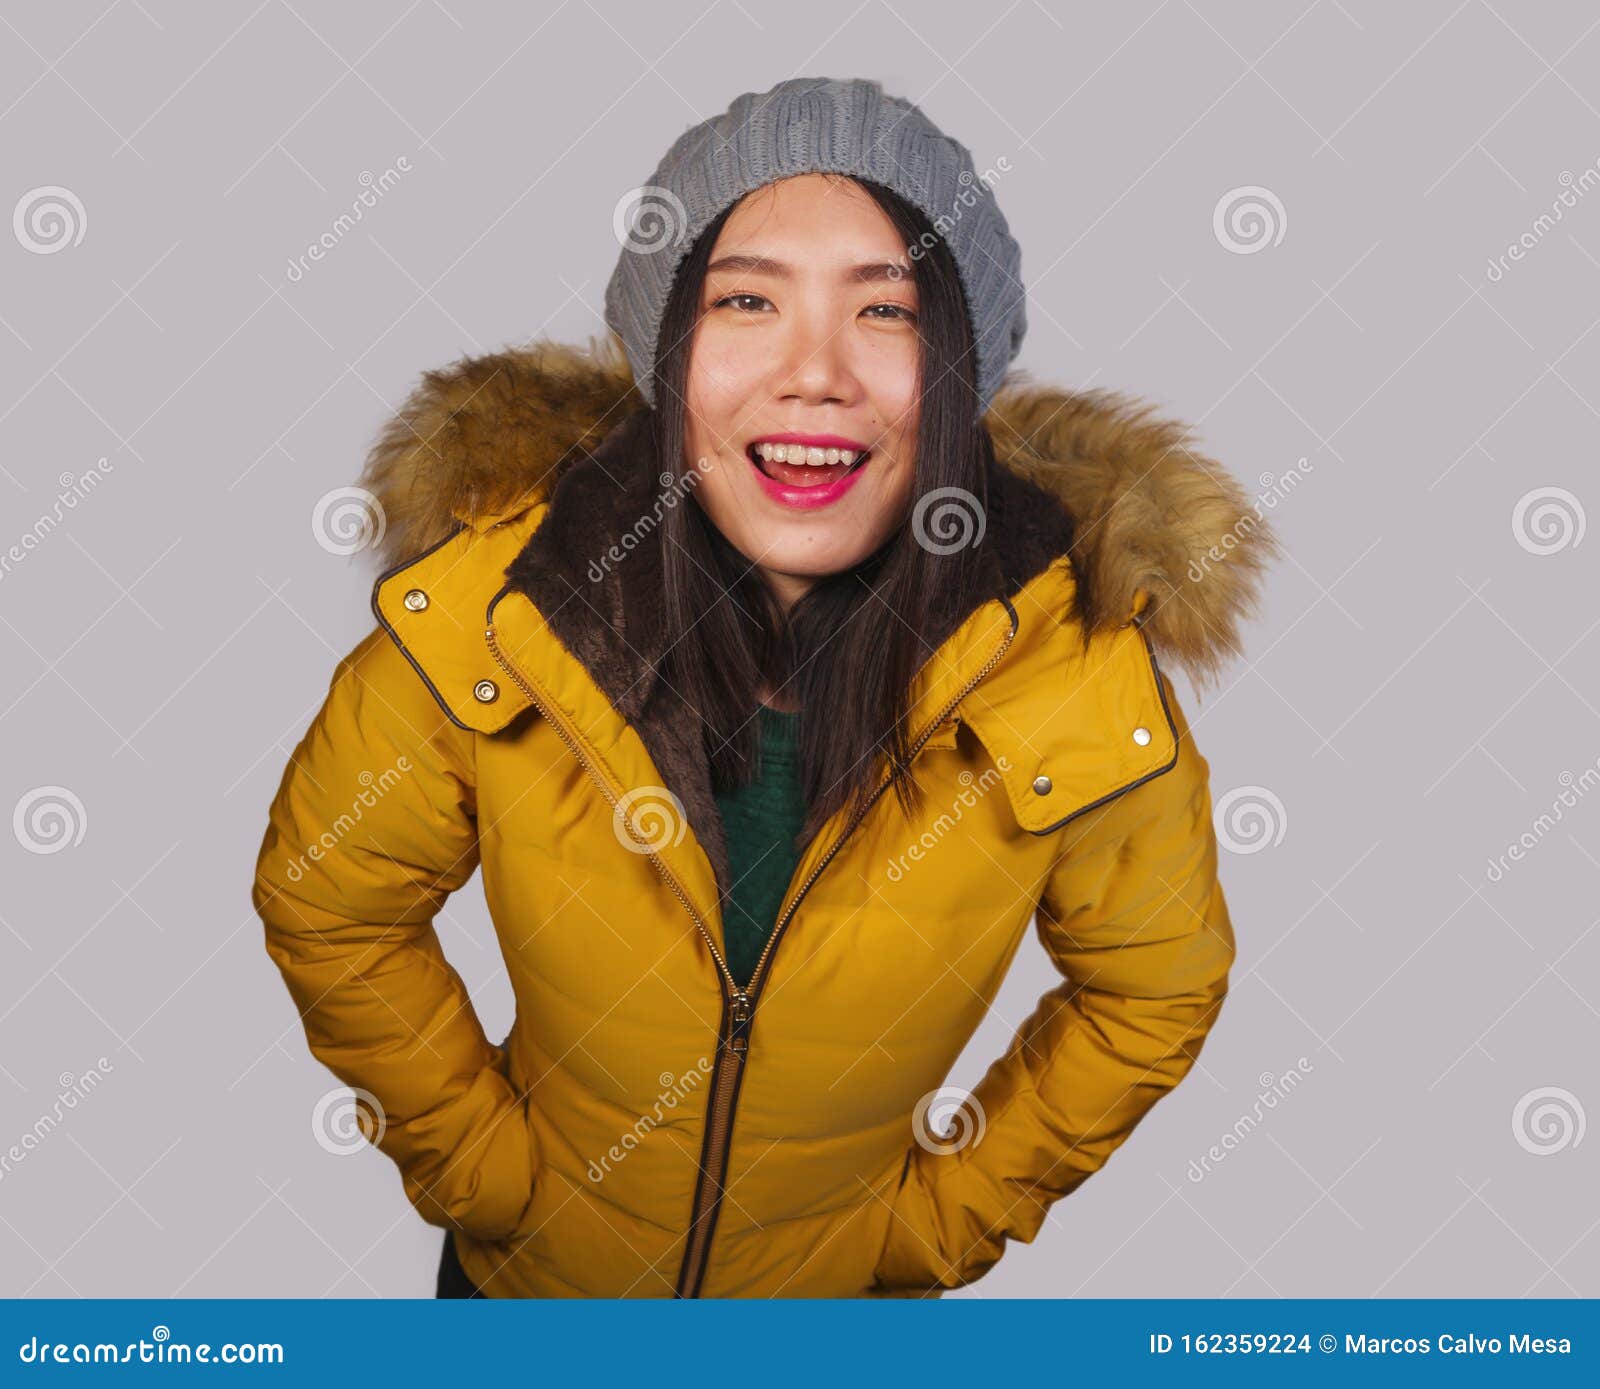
[785, 556]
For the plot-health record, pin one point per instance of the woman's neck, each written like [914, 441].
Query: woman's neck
[780, 701]
[788, 589]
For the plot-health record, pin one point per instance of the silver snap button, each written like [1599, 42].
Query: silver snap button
[486, 692]
[416, 600]
[1141, 736]
[1042, 785]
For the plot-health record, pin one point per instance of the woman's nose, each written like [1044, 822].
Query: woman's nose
[816, 365]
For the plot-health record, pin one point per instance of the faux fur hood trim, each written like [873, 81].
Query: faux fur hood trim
[1161, 532]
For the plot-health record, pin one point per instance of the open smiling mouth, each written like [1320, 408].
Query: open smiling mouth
[796, 466]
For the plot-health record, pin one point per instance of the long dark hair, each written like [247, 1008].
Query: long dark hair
[848, 650]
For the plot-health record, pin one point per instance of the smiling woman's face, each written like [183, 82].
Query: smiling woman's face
[797, 342]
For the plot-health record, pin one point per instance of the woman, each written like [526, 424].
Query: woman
[657, 637]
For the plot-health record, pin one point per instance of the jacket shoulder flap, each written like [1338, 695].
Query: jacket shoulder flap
[434, 606]
[1076, 724]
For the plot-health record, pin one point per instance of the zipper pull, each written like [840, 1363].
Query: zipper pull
[739, 1041]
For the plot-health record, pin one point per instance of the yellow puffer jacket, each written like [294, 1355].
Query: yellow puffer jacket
[647, 1128]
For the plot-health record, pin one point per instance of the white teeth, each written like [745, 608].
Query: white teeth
[811, 457]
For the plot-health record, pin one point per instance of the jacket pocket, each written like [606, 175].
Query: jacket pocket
[910, 1257]
[482, 1187]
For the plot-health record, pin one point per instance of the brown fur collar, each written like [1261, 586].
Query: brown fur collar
[1086, 475]
[1156, 524]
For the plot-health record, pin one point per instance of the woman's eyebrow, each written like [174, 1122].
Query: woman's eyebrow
[869, 273]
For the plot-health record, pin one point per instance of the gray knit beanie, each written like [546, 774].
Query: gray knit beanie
[816, 125]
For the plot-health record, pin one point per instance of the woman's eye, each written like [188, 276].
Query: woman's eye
[729, 298]
[900, 311]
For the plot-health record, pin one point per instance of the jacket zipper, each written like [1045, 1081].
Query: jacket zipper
[733, 1039]
[719, 1130]
[733, 1029]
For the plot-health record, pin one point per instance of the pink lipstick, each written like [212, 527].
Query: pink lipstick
[794, 481]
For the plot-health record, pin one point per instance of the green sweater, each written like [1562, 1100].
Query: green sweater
[761, 820]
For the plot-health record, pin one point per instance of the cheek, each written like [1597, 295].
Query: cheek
[719, 372]
[717, 496]
[896, 496]
[899, 486]
[890, 378]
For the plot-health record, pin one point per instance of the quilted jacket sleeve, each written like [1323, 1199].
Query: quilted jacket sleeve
[1133, 916]
[372, 827]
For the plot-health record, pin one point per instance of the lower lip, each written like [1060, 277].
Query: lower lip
[803, 498]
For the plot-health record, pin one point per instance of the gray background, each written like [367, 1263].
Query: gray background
[1418, 683]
